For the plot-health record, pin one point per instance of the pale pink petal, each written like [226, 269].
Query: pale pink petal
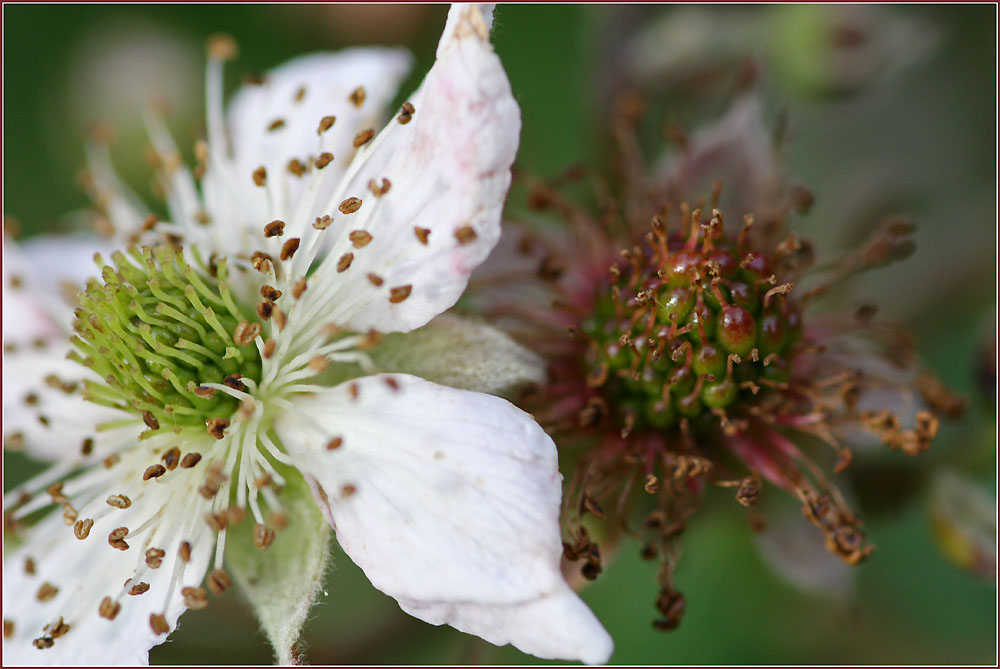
[449, 502]
[447, 171]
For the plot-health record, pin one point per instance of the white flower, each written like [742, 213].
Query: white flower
[222, 380]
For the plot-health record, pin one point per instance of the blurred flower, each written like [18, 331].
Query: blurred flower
[964, 518]
[693, 355]
[227, 373]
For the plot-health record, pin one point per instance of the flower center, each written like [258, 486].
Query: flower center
[156, 330]
[687, 327]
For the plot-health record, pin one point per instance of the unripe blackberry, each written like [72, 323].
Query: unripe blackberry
[688, 326]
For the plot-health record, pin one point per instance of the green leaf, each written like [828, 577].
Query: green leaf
[461, 353]
[282, 582]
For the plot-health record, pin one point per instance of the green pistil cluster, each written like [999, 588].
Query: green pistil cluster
[155, 330]
[688, 327]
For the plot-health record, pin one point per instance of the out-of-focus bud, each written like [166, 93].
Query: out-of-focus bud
[964, 519]
[824, 50]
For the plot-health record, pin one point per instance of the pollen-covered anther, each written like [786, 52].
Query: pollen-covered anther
[325, 124]
[194, 598]
[69, 514]
[56, 493]
[218, 581]
[184, 551]
[323, 160]
[360, 238]
[260, 176]
[296, 167]
[289, 248]
[299, 287]
[466, 235]
[119, 501]
[265, 309]
[274, 229]
[116, 538]
[217, 426]
[216, 521]
[270, 293]
[171, 458]
[46, 592]
[378, 190]
[154, 557]
[375, 279]
[108, 608]
[263, 536]
[153, 471]
[138, 588]
[246, 332]
[158, 623]
[344, 262]
[350, 205]
[357, 96]
[43, 642]
[363, 137]
[150, 420]
[82, 528]
[406, 113]
[399, 293]
[323, 222]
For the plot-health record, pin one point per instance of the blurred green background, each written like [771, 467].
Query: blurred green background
[897, 114]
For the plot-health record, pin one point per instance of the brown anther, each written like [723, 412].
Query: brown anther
[296, 167]
[278, 520]
[87, 447]
[590, 505]
[43, 642]
[375, 279]
[116, 538]
[194, 598]
[119, 501]
[274, 229]
[466, 235]
[233, 381]
[260, 176]
[347, 490]
[354, 390]
[299, 288]
[29, 566]
[406, 114]
[108, 608]
[221, 47]
[323, 222]
[335, 443]
[46, 592]
[150, 420]
[652, 484]
[8, 628]
[246, 332]
[59, 629]
[265, 309]
[325, 124]
[344, 262]
[422, 234]
[158, 623]
[263, 536]
[154, 557]
[269, 346]
[69, 514]
[289, 248]
[190, 460]
[300, 94]
[350, 205]
[55, 492]
[138, 588]
[378, 190]
[218, 581]
[153, 471]
[278, 317]
[360, 238]
[323, 160]
[172, 458]
[184, 551]
[217, 427]
[276, 124]
[82, 528]
[749, 490]
[363, 137]
[262, 262]
[269, 292]
[318, 363]
[357, 96]
[399, 293]
[216, 521]
[204, 391]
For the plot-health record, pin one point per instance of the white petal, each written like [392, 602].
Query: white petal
[454, 509]
[44, 410]
[87, 571]
[449, 170]
[327, 79]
